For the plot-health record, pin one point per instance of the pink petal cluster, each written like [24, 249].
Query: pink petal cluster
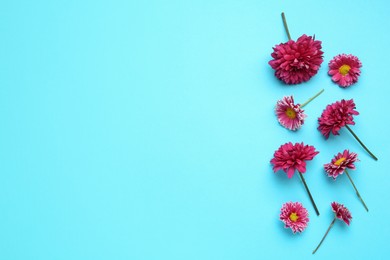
[340, 162]
[295, 62]
[345, 69]
[335, 116]
[294, 216]
[289, 115]
[341, 212]
[290, 157]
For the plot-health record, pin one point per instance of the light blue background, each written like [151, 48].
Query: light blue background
[144, 130]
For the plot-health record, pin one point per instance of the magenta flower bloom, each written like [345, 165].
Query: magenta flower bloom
[290, 157]
[339, 165]
[345, 69]
[340, 162]
[335, 116]
[295, 62]
[294, 216]
[342, 212]
[289, 115]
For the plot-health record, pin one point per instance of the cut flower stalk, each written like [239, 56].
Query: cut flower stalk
[361, 143]
[309, 193]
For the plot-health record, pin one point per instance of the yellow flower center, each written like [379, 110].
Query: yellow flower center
[339, 161]
[291, 113]
[344, 69]
[293, 217]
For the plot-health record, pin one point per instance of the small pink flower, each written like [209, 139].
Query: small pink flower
[340, 162]
[289, 115]
[294, 216]
[345, 69]
[290, 157]
[335, 116]
[339, 165]
[341, 212]
[295, 62]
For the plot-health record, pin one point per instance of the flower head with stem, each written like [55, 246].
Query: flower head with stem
[295, 62]
[339, 165]
[340, 212]
[291, 157]
[337, 115]
[291, 115]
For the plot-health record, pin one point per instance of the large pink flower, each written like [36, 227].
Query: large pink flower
[290, 157]
[340, 162]
[341, 212]
[345, 69]
[289, 115]
[335, 116]
[294, 216]
[295, 62]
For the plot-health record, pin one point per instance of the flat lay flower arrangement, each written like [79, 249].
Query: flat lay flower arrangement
[295, 62]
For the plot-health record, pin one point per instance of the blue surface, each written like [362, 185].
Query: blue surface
[144, 130]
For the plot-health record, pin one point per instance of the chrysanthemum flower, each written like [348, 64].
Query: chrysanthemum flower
[289, 115]
[339, 165]
[290, 157]
[340, 162]
[342, 213]
[295, 62]
[294, 216]
[345, 69]
[337, 115]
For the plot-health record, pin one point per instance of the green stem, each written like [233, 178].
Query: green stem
[323, 238]
[311, 99]
[285, 26]
[361, 143]
[308, 192]
[357, 192]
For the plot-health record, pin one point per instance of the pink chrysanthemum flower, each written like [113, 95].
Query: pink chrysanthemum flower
[335, 116]
[341, 212]
[295, 62]
[339, 165]
[345, 69]
[294, 216]
[340, 162]
[290, 157]
[289, 115]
